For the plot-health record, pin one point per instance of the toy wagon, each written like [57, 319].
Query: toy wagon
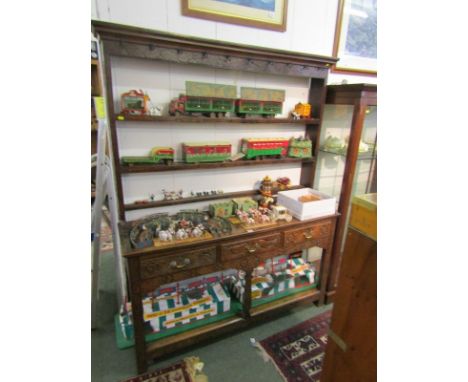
[206, 152]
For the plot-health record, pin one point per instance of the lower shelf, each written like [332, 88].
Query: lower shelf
[124, 343]
[179, 334]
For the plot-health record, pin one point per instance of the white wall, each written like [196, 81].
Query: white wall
[310, 26]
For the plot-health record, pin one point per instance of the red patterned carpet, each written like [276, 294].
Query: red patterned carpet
[174, 373]
[298, 351]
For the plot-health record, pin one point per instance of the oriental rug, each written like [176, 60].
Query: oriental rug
[188, 370]
[298, 352]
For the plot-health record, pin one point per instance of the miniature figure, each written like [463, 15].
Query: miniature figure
[165, 235]
[283, 183]
[155, 110]
[172, 195]
[281, 213]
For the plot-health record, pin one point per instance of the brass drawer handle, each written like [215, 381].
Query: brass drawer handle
[173, 264]
[251, 250]
[308, 236]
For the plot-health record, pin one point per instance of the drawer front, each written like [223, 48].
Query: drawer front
[157, 266]
[240, 248]
[309, 236]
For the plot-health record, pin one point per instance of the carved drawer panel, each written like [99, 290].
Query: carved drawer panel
[240, 248]
[157, 266]
[305, 237]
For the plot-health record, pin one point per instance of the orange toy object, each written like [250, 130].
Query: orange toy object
[304, 110]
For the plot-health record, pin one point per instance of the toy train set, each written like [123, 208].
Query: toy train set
[251, 148]
[216, 100]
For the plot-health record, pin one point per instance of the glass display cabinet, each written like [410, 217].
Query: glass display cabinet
[347, 156]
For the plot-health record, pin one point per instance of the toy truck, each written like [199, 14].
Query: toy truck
[157, 155]
[205, 99]
[260, 102]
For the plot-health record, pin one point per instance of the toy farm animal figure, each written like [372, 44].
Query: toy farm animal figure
[181, 234]
[197, 231]
[165, 235]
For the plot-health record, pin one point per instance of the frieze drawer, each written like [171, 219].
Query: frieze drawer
[241, 248]
[157, 266]
[311, 235]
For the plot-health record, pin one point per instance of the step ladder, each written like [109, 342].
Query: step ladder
[105, 190]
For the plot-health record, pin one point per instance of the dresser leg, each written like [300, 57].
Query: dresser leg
[142, 365]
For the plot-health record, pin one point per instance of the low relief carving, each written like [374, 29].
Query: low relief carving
[152, 51]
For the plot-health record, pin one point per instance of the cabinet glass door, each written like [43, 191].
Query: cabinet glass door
[336, 129]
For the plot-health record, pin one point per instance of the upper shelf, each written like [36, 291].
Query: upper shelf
[152, 118]
[197, 166]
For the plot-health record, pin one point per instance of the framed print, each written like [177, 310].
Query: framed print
[356, 37]
[266, 14]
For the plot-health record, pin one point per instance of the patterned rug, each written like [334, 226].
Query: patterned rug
[298, 352]
[188, 370]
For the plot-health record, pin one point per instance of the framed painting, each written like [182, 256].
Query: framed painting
[266, 14]
[356, 37]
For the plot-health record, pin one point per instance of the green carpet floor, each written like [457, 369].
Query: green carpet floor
[231, 359]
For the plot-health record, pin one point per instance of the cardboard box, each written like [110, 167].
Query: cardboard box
[302, 211]
[364, 214]
[297, 274]
[174, 310]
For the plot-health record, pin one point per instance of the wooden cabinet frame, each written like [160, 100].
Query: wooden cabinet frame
[361, 96]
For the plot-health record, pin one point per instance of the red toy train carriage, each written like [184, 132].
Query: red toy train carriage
[206, 152]
[264, 147]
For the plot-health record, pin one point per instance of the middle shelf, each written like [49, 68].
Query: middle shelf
[225, 195]
[197, 166]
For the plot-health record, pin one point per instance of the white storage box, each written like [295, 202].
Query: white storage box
[308, 210]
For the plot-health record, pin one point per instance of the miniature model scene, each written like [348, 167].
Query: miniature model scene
[161, 230]
[178, 304]
[273, 277]
[216, 101]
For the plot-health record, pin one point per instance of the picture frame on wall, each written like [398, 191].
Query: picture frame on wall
[356, 37]
[265, 14]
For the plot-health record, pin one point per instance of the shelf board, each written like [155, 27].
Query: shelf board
[194, 199]
[201, 119]
[156, 348]
[310, 295]
[126, 169]
[362, 156]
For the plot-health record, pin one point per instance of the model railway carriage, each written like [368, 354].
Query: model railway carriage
[157, 155]
[264, 147]
[204, 98]
[206, 152]
[263, 102]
